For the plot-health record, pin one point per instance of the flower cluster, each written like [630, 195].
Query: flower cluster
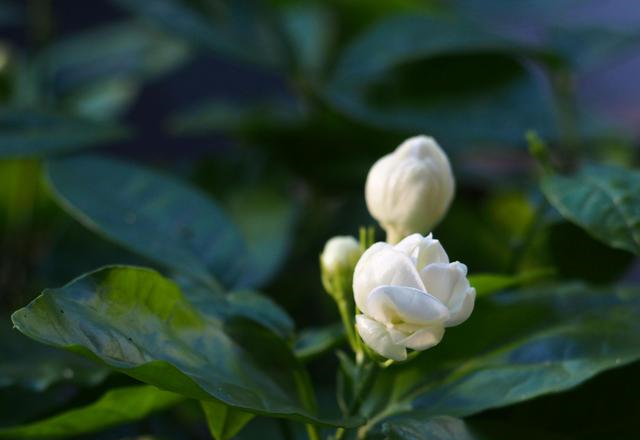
[406, 290]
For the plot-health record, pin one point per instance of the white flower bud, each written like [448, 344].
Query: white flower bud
[337, 261]
[408, 294]
[410, 189]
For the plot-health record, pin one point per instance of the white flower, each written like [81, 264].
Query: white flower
[410, 189]
[408, 294]
[337, 261]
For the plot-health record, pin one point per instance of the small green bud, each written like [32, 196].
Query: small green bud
[337, 262]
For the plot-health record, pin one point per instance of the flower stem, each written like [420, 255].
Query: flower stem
[346, 315]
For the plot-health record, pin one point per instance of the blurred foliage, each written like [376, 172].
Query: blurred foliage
[253, 125]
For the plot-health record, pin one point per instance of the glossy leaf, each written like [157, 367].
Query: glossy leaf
[117, 406]
[516, 346]
[224, 422]
[29, 133]
[157, 216]
[391, 77]
[602, 199]
[27, 364]
[316, 341]
[139, 323]
[248, 304]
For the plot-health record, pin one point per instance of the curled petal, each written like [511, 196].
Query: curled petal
[399, 304]
[424, 338]
[462, 313]
[423, 250]
[381, 265]
[449, 283]
[378, 337]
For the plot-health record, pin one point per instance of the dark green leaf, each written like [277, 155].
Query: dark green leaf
[602, 199]
[310, 30]
[26, 364]
[221, 116]
[26, 133]
[98, 72]
[516, 346]
[266, 220]
[314, 342]
[251, 305]
[240, 29]
[161, 218]
[224, 422]
[436, 428]
[139, 323]
[117, 406]
[391, 77]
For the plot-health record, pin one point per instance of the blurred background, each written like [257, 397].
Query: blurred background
[277, 109]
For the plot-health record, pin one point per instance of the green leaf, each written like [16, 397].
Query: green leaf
[98, 72]
[27, 133]
[155, 215]
[391, 77]
[27, 364]
[487, 284]
[436, 428]
[140, 324]
[312, 343]
[311, 31]
[251, 305]
[266, 220]
[117, 406]
[602, 199]
[224, 422]
[515, 346]
[241, 29]
[222, 116]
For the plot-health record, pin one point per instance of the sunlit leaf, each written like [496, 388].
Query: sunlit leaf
[140, 324]
[117, 406]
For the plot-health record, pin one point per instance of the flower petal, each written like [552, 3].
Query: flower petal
[423, 250]
[449, 283]
[462, 313]
[377, 336]
[399, 304]
[382, 265]
[424, 338]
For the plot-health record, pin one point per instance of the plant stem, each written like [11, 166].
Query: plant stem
[346, 315]
[520, 250]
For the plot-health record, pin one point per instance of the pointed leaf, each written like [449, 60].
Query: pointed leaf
[139, 323]
[157, 216]
[224, 422]
[117, 406]
[602, 199]
[517, 346]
